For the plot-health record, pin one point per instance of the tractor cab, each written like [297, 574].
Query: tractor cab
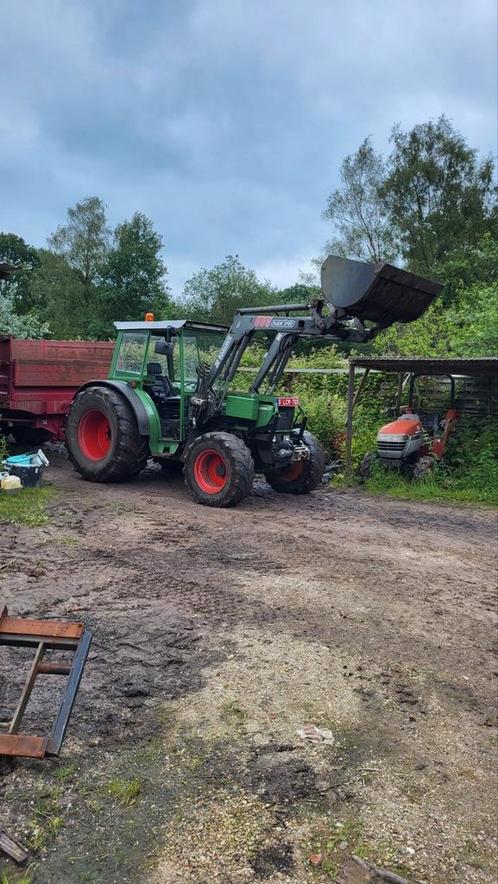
[160, 362]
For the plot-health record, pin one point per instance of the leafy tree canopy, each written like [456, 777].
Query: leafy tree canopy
[59, 292]
[359, 213]
[426, 205]
[15, 250]
[216, 294]
[440, 197]
[11, 323]
[134, 274]
[84, 239]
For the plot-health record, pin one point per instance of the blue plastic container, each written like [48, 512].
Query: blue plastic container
[22, 460]
[29, 468]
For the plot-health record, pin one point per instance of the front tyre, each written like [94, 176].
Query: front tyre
[219, 470]
[423, 467]
[302, 476]
[367, 465]
[102, 436]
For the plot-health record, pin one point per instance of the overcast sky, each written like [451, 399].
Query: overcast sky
[225, 121]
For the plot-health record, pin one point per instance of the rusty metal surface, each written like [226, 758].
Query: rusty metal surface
[40, 628]
[480, 366]
[24, 745]
[379, 293]
[42, 636]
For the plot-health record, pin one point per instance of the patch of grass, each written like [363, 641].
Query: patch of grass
[233, 712]
[347, 838]
[438, 486]
[25, 877]
[62, 774]
[125, 792]
[47, 821]
[27, 507]
[95, 805]
[67, 540]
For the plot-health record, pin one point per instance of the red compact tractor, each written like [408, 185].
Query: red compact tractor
[417, 439]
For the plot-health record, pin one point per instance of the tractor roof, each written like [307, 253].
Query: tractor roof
[164, 325]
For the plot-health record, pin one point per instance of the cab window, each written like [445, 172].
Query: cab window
[159, 358]
[201, 347]
[132, 352]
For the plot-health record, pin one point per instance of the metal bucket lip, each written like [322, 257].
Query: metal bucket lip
[378, 292]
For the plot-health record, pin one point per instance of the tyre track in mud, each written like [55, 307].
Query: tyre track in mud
[401, 594]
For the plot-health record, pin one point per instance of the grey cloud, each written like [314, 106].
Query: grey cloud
[225, 122]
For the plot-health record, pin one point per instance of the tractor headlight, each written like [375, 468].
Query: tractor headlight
[393, 437]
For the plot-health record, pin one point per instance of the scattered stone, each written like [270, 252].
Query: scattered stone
[315, 734]
[315, 859]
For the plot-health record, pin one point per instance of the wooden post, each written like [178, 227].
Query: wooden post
[401, 379]
[349, 421]
[362, 383]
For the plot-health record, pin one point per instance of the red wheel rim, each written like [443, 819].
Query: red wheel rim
[94, 435]
[294, 471]
[210, 471]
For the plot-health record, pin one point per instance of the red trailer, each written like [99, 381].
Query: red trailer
[38, 380]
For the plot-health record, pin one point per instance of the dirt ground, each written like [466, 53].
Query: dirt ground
[217, 635]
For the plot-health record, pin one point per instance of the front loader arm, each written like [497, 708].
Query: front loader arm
[353, 291]
[287, 330]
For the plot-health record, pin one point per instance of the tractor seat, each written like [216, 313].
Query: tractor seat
[160, 385]
[429, 420]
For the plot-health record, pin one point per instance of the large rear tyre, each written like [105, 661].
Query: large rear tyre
[219, 470]
[102, 437]
[302, 476]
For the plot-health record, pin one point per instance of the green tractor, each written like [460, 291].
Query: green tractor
[169, 396]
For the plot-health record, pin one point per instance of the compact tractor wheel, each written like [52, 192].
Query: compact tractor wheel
[423, 466]
[102, 437]
[219, 469]
[367, 465]
[302, 476]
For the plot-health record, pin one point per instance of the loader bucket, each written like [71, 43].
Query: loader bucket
[378, 292]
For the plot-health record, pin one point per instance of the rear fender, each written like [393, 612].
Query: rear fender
[144, 412]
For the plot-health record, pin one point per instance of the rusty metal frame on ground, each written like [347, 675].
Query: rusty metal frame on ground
[43, 636]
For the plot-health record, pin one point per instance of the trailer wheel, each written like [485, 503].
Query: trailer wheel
[102, 437]
[302, 476]
[219, 469]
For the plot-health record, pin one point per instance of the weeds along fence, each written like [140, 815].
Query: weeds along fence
[323, 395]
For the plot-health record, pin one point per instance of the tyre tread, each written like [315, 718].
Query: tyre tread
[132, 450]
[243, 468]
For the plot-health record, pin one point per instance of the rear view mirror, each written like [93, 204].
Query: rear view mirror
[164, 348]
